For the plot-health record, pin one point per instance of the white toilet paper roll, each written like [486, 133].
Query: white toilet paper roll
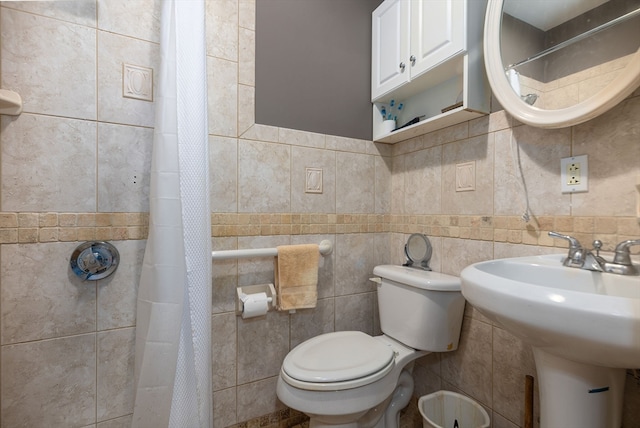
[255, 305]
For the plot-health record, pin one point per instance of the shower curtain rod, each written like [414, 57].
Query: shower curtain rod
[326, 247]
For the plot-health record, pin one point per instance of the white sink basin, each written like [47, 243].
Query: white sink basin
[583, 327]
[584, 316]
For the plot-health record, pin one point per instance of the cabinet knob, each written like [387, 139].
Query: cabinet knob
[402, 66]
[413, 60]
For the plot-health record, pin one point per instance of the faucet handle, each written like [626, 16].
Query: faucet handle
[573, 242]
[597, 245]
[623, 255]
[576, 256]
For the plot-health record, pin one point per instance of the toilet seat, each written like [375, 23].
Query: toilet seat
[337, 361]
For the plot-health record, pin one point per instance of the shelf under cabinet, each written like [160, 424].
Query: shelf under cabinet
[460, 78]
[452, 117]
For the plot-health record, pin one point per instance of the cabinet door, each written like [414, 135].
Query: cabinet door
[390, 47]
[437, 32]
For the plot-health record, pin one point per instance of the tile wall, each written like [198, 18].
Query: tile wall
[574, 88]
[75, 165]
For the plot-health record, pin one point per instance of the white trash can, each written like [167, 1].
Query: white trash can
[446, 409]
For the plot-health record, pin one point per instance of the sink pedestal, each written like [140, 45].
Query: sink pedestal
[578, 395]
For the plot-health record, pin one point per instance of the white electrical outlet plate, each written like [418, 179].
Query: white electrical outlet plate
[574, 174]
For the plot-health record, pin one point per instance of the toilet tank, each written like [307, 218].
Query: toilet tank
[419, 308]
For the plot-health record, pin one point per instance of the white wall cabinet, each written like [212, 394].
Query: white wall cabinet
[390, 47]
[427, 54]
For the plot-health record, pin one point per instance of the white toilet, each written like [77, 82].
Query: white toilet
[350, 379]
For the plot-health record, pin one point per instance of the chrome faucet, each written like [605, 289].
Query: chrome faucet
[582, 258]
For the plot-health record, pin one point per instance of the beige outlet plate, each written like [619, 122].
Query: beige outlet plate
[574, 174]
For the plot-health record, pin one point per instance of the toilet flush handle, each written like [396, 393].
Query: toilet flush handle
[376, 280]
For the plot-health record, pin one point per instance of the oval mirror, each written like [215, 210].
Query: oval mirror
[554, 64]
[418, 251]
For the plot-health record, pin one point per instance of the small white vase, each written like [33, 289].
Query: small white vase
[388, 126]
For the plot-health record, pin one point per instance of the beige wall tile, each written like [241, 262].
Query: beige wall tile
[139, 19]
[354, 250]
[50, 63]
[301, 159]
[264, 133]
[246, 108]
[35, 307]
[257, 399]
[222, 29]
[264, 171]
[49, 383]
[539, 152]
[224, 408]
[223, 173]
[115, 389]
[223, 350]
[491, 123]
[222, 88]
[499, 421]
[345, 144]
[611, 142]
[480, 151]
[124, 159]
[428, 381]
[302, 138]
[469, 367]
[355, 312]
[246, 57]
[447, 135]
[83, 13]
[308, 323]
[114, 51]
[123, 422]
[383, 185]
[117, 294]
[225, 277]
[460, 253]
[398, 178]
[247, 14]
[355, 178]
[512, 361]
[36, 177]
[258, 270]
[423, 182]
[267, 337]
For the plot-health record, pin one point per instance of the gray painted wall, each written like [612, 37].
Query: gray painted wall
[313, 65]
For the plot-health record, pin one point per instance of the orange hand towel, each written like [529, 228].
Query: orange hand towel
[296, 276]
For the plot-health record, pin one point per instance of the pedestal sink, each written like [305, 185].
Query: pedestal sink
[584, 328]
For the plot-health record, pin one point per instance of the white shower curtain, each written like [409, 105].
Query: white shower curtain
[173, 333]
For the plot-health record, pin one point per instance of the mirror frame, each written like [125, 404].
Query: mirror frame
[423, 258]
[603, 100]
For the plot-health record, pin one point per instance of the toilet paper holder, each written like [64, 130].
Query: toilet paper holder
[247, 290]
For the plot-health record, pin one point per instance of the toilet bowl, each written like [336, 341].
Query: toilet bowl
[351, 379]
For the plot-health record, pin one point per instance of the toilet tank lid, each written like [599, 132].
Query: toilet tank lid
[419, 278]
